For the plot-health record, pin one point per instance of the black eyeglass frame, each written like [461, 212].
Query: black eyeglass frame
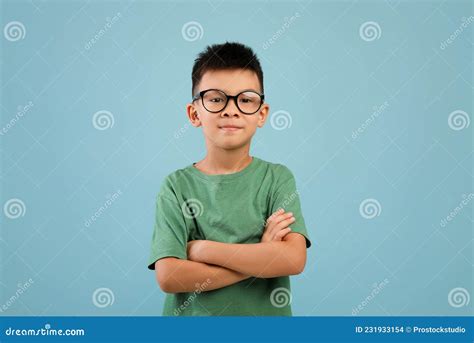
[234, 97]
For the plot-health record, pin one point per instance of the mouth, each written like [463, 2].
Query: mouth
[230, 128]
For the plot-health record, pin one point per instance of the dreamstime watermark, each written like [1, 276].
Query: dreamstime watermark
[14, 31]
[459, 297]
[14, 208]
[181, 131]
[289, 198]
[103, 297]
[378, 110]
[370, 208]
[192, 31]
[107, 26]
[370, 31]
[21, 111]
[458, 120]
[457, 32]
[376, 289]
[98, 213]
[22, 287]
[281, 120]
[103, 120]
[455, 211]
[192, 208]
[46, 331]
[280, 297]
[287, 21]
[189, 300]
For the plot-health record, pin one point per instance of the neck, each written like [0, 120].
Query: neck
[221, 161]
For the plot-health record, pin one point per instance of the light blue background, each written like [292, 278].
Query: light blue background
[319, 70]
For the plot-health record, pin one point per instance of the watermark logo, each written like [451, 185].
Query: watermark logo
[106, 27]
[103, 297]
[370, 208]
[458, 120]
[21, 111]
[22, 287]
[458, 297]
[200, 287]
[181, 131]
[280, 297]
[457, 32]
[14, 208]
[14, 31]
[103, 120]
[192, 31]
[370, 31]
[287, 22]
[377, 110]
[457, 209]
[192, 208]
[98, 213]
[377, 287]
[281, 120]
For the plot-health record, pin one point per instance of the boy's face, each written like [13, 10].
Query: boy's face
[231, 82]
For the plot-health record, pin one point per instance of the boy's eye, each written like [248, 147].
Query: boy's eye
[247, 100]
[216, 100]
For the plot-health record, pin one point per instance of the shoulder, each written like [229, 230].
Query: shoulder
[175, 176]
[278, 170]
[171, 182]
[283, 184]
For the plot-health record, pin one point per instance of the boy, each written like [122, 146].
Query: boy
[222, 241]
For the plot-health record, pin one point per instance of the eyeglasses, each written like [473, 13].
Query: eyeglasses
[215, 100]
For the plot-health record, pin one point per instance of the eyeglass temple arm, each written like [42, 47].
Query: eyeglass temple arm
[197, 96]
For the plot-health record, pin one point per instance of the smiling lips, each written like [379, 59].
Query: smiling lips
[230, 128]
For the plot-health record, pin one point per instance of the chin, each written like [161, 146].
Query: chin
[232, 145]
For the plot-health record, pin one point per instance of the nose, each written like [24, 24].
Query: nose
[231, 109]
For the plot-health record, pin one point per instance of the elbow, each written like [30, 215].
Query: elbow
[165, 283]
[164, 278]
[298, 262]
[297, 267]
[297, 253]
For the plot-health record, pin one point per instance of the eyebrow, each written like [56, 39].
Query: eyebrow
[244, 90]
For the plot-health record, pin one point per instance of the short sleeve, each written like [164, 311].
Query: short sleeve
[285, 195]
[169, 237]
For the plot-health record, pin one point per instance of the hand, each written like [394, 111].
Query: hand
[194, 248]
[277, 226]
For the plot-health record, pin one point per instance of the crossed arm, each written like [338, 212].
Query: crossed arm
[217, 264]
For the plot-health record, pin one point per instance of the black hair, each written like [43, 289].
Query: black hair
[229, 55]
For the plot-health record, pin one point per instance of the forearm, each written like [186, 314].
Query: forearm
[176, 276]
[266, 260]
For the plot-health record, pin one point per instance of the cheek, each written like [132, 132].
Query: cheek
[251, 132]
[209, 127]
[251, 128]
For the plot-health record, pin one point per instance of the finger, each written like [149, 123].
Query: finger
[283, 216]
[275, 227]
[284, 224]
[275, 214]
[279, 219]
[282, 233]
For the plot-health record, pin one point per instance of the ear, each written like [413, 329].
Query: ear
[193, 116]
[263, 114]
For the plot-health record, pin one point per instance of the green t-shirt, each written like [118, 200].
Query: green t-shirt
[229, 208]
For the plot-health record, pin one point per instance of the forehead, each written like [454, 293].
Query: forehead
[231, 81]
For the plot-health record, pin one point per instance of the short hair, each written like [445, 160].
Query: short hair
[229, 55]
